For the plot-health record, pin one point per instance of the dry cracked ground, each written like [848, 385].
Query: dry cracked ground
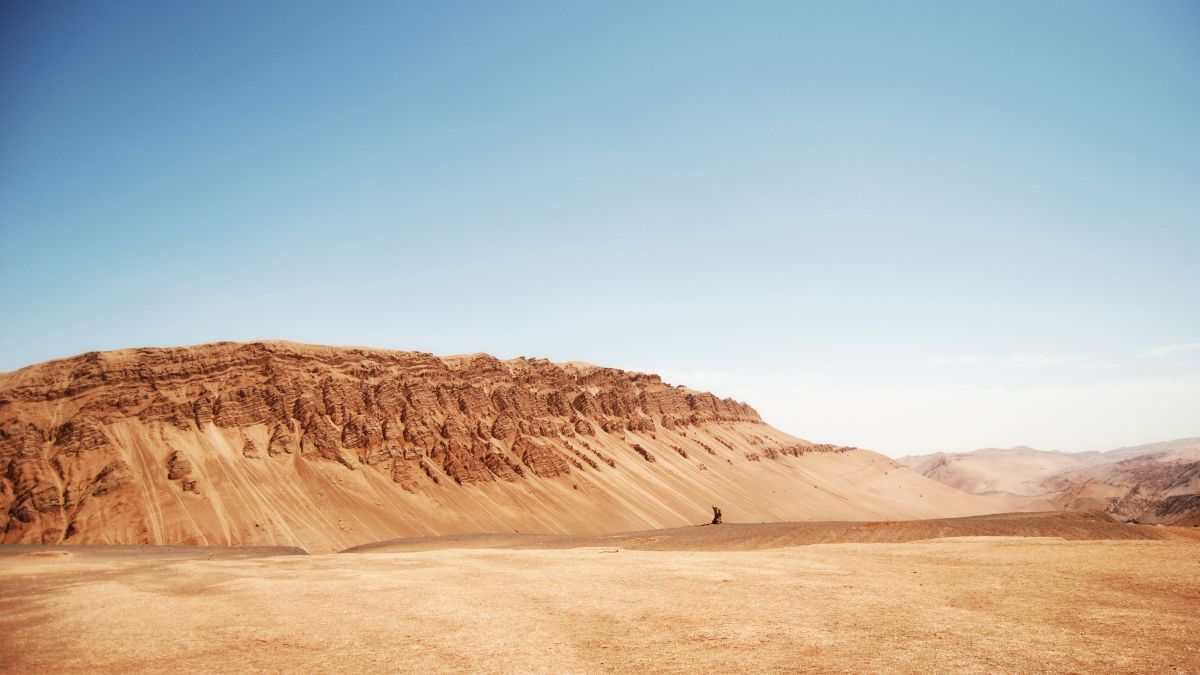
[964, 604]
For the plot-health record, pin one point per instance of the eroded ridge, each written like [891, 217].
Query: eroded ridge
[95, 440]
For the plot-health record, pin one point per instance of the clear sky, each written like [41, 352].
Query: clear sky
[905, 226]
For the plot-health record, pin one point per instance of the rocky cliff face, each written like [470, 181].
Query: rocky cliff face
[277, 443]
[1152, 488]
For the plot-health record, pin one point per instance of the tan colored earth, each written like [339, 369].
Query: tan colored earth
[1150, 483]
[474, 503]
[280, 444]
[747, 602]
[1019, 470]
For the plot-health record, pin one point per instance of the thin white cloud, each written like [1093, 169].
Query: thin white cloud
[1044, 360]
[1040, 360]
[1167, 350]
[954, 360]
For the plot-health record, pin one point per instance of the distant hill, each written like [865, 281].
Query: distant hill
[1155, 482]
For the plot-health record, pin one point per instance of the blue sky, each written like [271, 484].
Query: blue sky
[906, 226]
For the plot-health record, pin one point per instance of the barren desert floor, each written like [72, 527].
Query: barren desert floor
[970, 604]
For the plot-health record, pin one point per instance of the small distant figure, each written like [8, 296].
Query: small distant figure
[716, 516]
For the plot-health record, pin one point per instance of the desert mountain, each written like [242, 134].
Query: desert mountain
[1020, 470]
[1156, 482]
[275, 443]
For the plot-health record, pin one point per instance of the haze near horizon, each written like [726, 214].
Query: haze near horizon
[906, 228]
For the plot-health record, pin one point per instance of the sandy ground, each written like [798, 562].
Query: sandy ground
[1069, 525]
[970, 604]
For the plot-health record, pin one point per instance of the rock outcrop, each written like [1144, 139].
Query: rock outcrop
[279, 443]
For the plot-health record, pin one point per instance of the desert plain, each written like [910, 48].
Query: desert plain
[275, 507]
[1058, 592]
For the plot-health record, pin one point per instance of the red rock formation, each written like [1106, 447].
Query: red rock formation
[646, 454]
[182, 445]
[476, 418]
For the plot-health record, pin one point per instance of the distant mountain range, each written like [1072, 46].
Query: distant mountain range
[1153, 483]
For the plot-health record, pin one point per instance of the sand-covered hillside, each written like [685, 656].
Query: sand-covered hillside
[325, 448]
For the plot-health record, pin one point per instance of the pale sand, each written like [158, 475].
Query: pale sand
[962, 604]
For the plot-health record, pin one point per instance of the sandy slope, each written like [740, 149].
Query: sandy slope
[962, 605]
[322, 507]
[279, 444]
